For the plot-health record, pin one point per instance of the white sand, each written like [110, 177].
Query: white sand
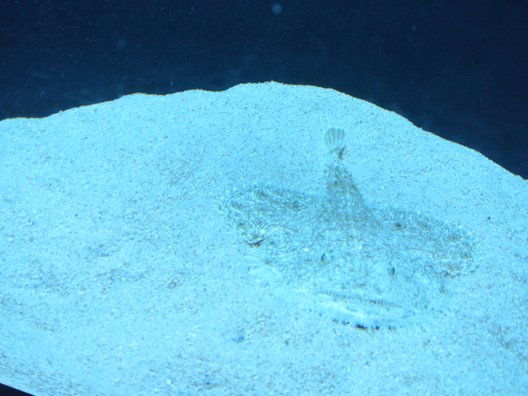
[120, 275]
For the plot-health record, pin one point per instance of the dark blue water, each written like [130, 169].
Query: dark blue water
[457, 70]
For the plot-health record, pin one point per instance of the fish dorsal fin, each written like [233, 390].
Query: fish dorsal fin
[335, 143]
[343, 196]
[339, 179]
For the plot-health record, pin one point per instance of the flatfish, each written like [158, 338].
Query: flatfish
[361, 266]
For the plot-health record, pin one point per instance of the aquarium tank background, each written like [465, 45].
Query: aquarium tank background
[455, 68]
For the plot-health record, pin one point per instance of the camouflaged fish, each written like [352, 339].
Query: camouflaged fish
[370, 268]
